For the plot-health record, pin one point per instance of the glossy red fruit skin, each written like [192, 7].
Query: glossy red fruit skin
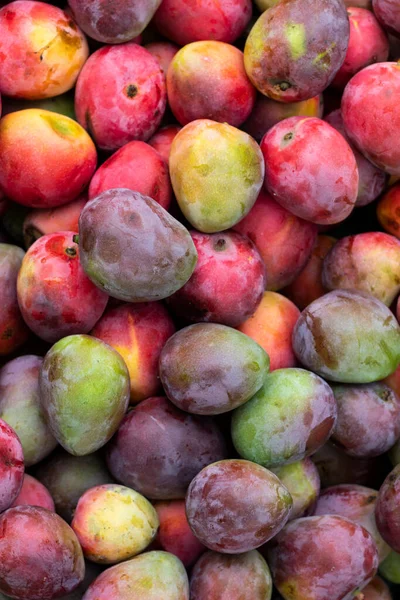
[387, 510]
[55, 295]
[11, 465]
[34, 493]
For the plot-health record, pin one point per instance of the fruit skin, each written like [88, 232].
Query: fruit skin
[388, 211]
[11, 467]
[322, 191]
[222, 20]
[113, 523]
[41, 558]
[41, 50]
[83, 406]
[138, 332]
[291, 416]
[201, 67]
[209, 369]
[227, 283]
[150, 576]
[132, 249]
[217, 172]
[164, 52]
[33, 493]
[46, 159]
[271, 326]
[63, 105]
[302, 481]
[158, 449]
[356, 503]
[13, 330]
[234, 506]
[390, 567]
[132, 104]
[337, 335]
[162, 140]
[113, 23]
[377, 590]
[290, 56]
[20, 407]
[284, 241]
[368, 422]
[68, 477]
[387, 509]
[174, 534]
[137, 167]
[219, 577]
[299, 556]
[55, 296]
[388, 14]
[368, 115]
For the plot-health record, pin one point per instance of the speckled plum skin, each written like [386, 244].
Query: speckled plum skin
[284, 241]
[13, 330]
[291, 56]
[387, 510]
[310, 170]
[41, 50]
[291, 416]
[302, 481]
[132, 104]
[55, 296]
[137, 167]
[41, 558]
[337, 336]
[271, 326]
[222, 20]
[371, 179]
[46, 159]
[354, 502]
[220, 577]
[84, 392]
[113, 22]
[217, 173]
[367, 262]
[322, 558]
[388, 211]
[150, 576]
[34, 493]
[209, 369]
[234, 506]
[377, 590]
[207, 80]
[132, 248]
[11, 466]
[158, 449]
[227, 284]
[20, 407]
[138, 332]
[388, 14]
[162, 140]
[369, 115]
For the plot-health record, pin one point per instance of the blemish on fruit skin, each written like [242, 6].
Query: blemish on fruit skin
[131, 91]
[296, 37]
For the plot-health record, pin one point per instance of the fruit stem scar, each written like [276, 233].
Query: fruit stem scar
[131, 90]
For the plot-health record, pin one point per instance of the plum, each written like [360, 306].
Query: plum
[209, 369]
[209, 65]
[217, 172]
[55, 296]
[388, 14]
[137, 167]
[46, 159]
[284, 241]
[34, 493]
[164, 52]
[84, 392]
[132, 248]
[158, 449]
[234, 506]
[221, 577]
[228, 281]
[68, 477]
[292, 56]
[387, 509]
[388, 211]
[162, 140]
[376, 590]
[310, 170]
[337, 337]
[271, 326]
[41, 558]
[13, 330]
[11, 466]
[130, 105]
[20, 407]
[138, 332]
[324, 558]
[370, 116]
[303, 483]
[41, 50]
[150, 576]
[113, 22]
[291, 416]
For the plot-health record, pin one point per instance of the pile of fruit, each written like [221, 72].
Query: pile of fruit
[200, 300]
